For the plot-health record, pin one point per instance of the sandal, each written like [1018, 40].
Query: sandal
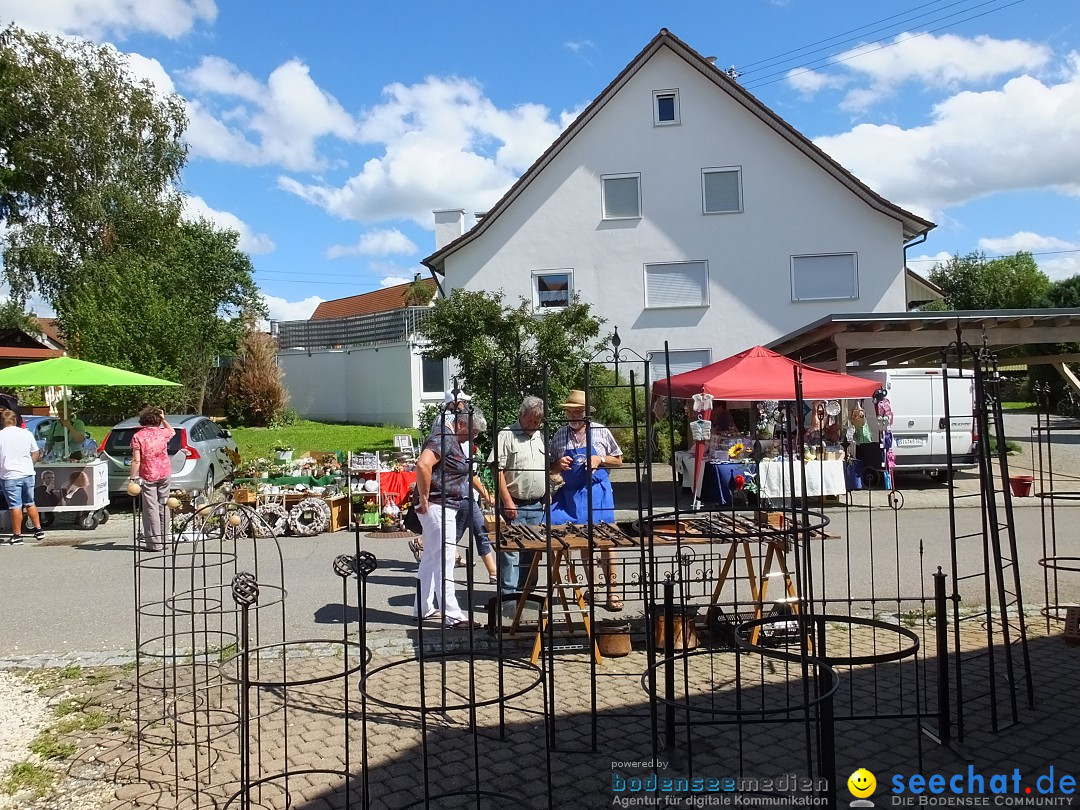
[459, 561]
[614, 603]
[417, 548]
[434, 616]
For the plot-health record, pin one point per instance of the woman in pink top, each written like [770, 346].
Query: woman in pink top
[151, 468]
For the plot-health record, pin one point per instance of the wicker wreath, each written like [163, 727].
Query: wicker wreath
[309, 517]
[230, 532]
[275, 520]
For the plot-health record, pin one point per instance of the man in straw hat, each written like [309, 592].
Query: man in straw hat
[583, 451]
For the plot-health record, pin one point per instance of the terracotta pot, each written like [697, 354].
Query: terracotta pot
[1021, 485]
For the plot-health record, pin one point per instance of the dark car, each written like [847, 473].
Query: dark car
[203, 454]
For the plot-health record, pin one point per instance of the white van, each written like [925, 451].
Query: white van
[918, 403]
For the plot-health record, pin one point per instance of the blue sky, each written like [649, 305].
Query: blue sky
[327, 132]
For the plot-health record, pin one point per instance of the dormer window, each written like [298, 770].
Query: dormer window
[665, 107]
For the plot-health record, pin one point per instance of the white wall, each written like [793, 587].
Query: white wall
[791, 206]
[372, 385]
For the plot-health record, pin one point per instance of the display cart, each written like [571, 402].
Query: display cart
[79, 488]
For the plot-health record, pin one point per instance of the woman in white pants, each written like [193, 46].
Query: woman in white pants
[443, 478]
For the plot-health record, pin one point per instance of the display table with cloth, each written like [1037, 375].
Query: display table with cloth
[289, 481]
[718, 480]
[822, 478]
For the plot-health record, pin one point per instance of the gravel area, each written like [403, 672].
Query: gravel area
[25, 713]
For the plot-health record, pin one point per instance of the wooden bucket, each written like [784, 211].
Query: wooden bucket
[684, 630]
[613, 639]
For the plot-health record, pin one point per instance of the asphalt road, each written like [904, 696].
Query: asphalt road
[65, 600]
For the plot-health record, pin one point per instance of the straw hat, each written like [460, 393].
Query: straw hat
[576, 399]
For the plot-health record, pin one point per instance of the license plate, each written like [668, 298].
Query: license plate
[911, 441]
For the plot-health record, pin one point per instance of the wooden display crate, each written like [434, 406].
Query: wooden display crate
[1072, 625]
[339, 512]
[244, 495]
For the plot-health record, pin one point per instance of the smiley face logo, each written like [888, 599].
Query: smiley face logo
[861, 783]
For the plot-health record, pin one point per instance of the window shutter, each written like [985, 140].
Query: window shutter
[621, 198]
[826, 276]
[682, 360]
[685, 284]
[721, 192]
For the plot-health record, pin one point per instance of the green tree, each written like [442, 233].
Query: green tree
[485, 336]
[171, 314]
[975, 282]
[86, 151]
[14, 317]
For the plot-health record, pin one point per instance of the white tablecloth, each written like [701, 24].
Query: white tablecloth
[822, 478]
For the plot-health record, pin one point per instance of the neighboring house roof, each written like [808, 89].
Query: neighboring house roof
[913, 225]
[17, 344]
[384, 300]
[51, 330]
[21, 353]
[919, 290]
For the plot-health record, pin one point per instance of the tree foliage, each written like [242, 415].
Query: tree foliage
[14, 317]
[487, 337]
[85, 151]
[974, 282]
[257, 392]
[90, 159]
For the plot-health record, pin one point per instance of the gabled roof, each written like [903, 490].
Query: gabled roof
[913, 225]
[51, 330]
[920, 290]
[384, 300]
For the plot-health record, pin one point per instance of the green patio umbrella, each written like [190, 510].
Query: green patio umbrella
[69, 372]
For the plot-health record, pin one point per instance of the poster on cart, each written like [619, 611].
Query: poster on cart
[71, 486]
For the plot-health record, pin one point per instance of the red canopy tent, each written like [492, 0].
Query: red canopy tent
[758, 374]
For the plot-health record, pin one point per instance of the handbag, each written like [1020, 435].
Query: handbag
[409, 518]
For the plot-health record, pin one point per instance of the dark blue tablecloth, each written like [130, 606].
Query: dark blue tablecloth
[718, 483]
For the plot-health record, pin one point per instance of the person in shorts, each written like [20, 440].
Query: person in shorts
[18, 452]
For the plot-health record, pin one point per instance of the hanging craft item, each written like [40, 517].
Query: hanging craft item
[274, 520]
[884, 411]
[309, 517]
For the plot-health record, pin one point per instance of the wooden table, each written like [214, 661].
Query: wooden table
[737, 529]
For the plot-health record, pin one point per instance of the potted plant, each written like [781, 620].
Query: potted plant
[371, 513]
[283, 452]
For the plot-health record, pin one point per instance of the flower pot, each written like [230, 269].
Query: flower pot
[1020, 485]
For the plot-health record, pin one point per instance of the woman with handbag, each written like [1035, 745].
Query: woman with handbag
[443, 479]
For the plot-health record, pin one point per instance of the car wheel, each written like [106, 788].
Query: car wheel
[209, 485]
[871, 478]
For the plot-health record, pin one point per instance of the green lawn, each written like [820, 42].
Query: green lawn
[320, 436]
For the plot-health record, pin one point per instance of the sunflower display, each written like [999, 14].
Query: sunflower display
[736, 450]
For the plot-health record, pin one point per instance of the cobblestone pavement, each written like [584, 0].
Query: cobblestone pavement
[328, 726]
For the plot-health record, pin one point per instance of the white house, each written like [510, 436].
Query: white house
[356, 360]
[684, 210]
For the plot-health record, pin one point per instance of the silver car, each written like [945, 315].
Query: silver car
[203, 454]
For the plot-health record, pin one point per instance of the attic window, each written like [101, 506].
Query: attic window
[665, 107]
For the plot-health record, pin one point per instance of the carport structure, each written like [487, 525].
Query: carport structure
[916, 338]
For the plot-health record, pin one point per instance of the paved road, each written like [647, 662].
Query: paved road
[58, 599]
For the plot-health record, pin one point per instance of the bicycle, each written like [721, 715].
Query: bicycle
[1069, 406]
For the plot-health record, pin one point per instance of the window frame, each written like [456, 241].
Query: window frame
[708, 284]
[424, 393]
[603, 195]
[737, 171]
[656, 96]
[657, 369]
[854, 272]
[537, 274]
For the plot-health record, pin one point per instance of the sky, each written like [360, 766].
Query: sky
[326, 132]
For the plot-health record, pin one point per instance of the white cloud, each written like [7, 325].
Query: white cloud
[96, 19]
[1022, 136]
[446, 144]
[278, 122]
[947, 61]
[282, 309]
[808, 82]
[250, 241]
[393, 281]
[1057, 267]
[375, 243]
[143, 67]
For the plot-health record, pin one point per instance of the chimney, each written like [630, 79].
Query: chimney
[449, 225]
[479, 216]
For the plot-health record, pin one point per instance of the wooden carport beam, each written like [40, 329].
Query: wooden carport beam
[1000, 336]
[1070, 378]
